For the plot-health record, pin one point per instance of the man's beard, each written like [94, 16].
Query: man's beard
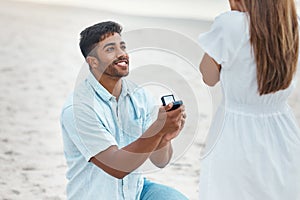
[112, 71]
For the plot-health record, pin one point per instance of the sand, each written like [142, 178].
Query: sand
[40, 61]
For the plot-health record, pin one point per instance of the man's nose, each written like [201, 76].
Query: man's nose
[121, 53]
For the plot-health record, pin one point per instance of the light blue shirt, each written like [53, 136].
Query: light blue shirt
[92, 120]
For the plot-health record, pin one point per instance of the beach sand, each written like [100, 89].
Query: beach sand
[40, 61]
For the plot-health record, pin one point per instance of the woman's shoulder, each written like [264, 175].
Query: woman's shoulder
[232, 22]
[231, 15]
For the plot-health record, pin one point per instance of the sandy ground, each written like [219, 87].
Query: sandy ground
[40, 61]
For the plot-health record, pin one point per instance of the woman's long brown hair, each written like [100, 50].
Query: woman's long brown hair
[274, 38]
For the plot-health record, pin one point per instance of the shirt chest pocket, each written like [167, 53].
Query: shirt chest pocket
[132, 128]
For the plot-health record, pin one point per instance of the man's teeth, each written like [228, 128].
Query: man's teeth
[122, 63]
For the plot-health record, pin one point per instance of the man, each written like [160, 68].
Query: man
[107, 130]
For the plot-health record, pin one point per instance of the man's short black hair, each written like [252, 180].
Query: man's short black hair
[90, 36]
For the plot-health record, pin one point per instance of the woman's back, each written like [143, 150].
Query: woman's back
[238, 73]
[256, 153]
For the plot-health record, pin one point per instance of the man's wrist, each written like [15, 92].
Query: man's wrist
[163, 143]
[157, 129]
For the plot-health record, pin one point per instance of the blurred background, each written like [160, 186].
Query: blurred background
[189, 9]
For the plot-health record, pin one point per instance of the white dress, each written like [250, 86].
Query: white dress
[253, 147]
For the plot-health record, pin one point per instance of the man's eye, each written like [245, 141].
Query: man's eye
[123, 47]
[110, 49]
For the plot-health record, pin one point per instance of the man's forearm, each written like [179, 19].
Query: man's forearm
[162, 154]
[121, 162]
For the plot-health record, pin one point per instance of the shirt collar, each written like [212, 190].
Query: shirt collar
[102, 92]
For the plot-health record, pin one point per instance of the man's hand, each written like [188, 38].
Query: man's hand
[181, 121]
[172, 122]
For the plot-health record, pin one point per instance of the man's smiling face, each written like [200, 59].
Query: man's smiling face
[113, 61]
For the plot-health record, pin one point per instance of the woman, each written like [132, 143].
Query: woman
[253, 51]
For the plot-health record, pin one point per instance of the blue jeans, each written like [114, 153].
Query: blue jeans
[154, 191]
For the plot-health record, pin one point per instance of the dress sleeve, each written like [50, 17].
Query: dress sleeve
[224, 38]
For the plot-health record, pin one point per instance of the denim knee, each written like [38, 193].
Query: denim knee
[154, 191]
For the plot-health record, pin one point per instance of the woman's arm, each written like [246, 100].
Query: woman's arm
[210, 70]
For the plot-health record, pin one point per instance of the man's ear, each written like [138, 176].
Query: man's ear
[92, 61]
